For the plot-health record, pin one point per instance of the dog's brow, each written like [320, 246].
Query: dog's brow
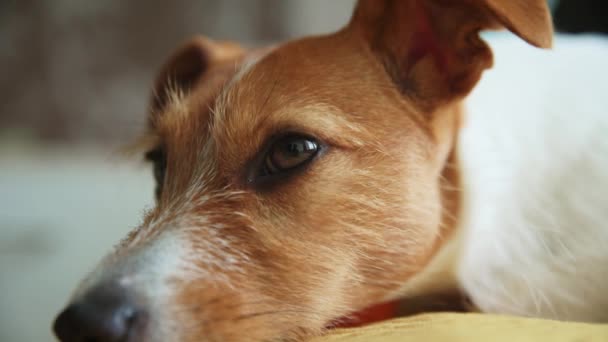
[324, 120]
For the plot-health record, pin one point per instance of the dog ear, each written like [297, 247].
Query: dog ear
[187, 66]
[432, 49]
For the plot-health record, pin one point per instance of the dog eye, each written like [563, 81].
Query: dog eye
[159, 161]
[288, 153]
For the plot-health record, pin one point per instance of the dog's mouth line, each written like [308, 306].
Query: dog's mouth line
[448, 302]
[373, 314]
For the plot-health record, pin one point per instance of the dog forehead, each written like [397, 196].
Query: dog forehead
[297, 73]
[335, 73]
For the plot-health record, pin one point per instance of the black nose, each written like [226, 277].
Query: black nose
[106, 314]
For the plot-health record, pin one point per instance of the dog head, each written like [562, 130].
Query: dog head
[299, 183]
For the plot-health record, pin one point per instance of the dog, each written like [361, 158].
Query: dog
[302, 183]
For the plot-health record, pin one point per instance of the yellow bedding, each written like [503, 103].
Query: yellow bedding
[470, 328]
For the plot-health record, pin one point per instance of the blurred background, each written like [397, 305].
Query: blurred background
[74, 84]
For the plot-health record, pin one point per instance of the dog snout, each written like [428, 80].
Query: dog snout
[105, 314]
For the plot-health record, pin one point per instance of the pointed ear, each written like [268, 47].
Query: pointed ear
[187, 66]
[529, 19]
[432, 49]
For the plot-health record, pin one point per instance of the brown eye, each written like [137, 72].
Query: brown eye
[289, 153]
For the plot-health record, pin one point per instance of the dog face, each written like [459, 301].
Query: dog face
[304, 182]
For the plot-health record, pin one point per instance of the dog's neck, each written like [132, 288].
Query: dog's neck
[437, 278]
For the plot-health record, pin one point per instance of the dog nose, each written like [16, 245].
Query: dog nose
[106, 314]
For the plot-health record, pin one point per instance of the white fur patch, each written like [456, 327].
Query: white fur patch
[144, 268]
[534, 156]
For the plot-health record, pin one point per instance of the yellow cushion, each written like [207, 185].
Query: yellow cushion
[470, 327]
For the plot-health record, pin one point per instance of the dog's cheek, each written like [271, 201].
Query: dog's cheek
[396, 227]
[330, 250]
[269, 295]
[309, 277]
[217, 311]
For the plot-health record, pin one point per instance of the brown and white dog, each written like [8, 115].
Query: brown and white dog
[332, 173]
